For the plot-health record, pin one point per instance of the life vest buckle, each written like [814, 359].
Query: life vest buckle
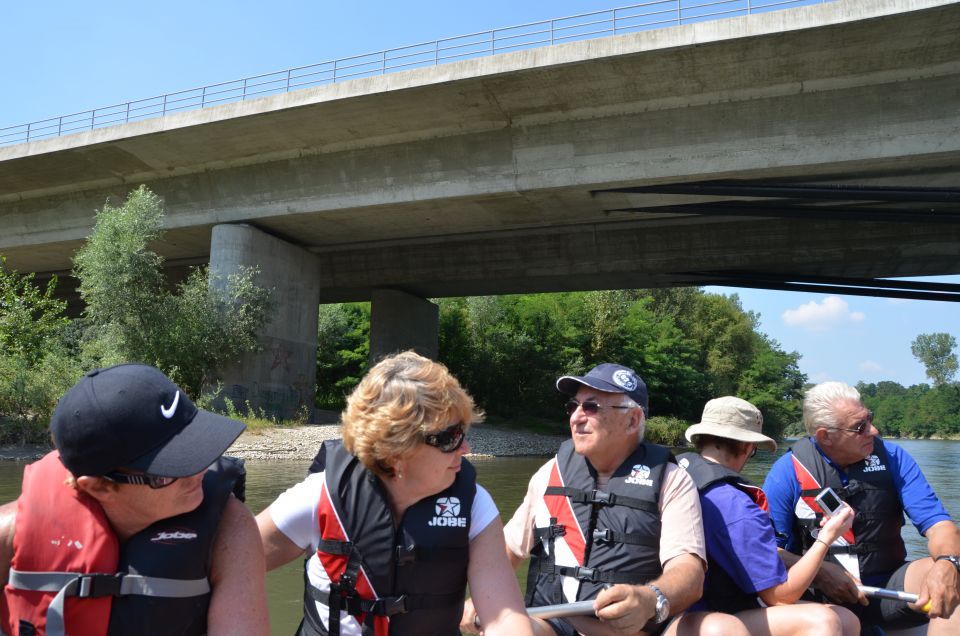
[602, 535]
[389, 606]
[602, 497]
[99, 585]
[586, 574]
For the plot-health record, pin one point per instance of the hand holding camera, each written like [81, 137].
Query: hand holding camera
[837, 515]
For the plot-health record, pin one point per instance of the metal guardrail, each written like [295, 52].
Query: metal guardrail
[637, 17]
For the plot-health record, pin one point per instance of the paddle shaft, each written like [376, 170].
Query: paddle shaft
[896, 595]
[580, 608]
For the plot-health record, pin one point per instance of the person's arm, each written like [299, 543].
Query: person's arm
[238, 601]
[8, 521]
[832, 579]
[493, 585]
[802, 573]
[627, 608]
[277, 548]
[942, 584]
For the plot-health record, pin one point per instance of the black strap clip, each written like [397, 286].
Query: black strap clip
[99, 585]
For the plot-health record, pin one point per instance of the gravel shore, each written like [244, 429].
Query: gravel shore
[301, 443]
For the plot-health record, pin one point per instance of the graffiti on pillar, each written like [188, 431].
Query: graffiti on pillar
[281, 358]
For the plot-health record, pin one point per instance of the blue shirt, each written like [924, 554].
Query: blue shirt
[740, 540]
[921, 504]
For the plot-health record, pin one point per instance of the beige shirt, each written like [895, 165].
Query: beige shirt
[680, 516]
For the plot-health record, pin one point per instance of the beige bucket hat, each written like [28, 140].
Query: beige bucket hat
[731, 418]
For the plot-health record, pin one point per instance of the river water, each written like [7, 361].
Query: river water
[506, 479]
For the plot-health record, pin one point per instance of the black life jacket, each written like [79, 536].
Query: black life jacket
[401, 580]
[874, 544]
[720, 591]
[161, 582]
[586, 537]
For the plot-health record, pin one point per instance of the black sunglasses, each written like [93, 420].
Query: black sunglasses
[140, 479]
[862, 426]
[591, 407]
[447, 440]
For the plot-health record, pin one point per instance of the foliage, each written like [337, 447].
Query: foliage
[343, 348]
[667, 431]
[29, 390]
[30, 317]
[508, 352]
[132, 315]
[935, 352]
[919, 411]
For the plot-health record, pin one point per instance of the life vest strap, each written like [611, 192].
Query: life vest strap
[385, 606]
[602, 498]
[97, 586]
[339, 548]
[609, 536]
[594, 575]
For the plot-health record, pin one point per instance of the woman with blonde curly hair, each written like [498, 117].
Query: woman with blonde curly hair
[393, 518]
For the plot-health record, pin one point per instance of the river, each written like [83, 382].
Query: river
[506, 479]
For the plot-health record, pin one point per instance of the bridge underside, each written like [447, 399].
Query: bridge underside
[816, 146]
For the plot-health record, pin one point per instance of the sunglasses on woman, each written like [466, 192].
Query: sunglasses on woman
[447, 440]
[140, 479]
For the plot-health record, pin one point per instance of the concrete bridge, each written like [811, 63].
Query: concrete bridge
[811, 145]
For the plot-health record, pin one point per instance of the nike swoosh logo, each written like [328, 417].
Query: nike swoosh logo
[168, 412]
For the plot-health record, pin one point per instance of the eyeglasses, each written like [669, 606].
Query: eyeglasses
[862, 426]
[140, 479]
[754, 451]
[447, 440]
[591, 407]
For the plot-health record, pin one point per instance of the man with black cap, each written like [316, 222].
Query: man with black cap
[131, 525]
[610, 518]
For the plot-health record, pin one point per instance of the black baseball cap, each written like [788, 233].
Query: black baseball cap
[133, 416]
[612, 378]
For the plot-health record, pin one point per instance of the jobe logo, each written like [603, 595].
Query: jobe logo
[448, 513]
[639, 475]
[872, 464]
[173, 536]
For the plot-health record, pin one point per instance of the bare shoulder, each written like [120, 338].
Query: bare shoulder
[8, 522]
[237, 537]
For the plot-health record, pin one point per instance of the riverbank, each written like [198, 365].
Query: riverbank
[301, 442]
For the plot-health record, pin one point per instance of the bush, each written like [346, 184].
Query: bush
[667, 431]
[29, 392]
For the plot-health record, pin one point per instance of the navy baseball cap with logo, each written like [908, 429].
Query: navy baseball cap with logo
[132, 416]
[612, 378]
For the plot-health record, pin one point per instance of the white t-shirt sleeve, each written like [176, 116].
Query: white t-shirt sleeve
[295, 511]
[484, 511]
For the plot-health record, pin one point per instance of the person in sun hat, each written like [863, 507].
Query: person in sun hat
[392, 518]
[131, 525]
[747, 589]
[610, 518]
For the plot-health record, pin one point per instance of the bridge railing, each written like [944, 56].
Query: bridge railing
[636, 17]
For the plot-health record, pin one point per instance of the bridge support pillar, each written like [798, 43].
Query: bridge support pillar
[401, 321]
[281, 379]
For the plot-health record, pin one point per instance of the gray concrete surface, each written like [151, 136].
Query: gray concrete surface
[401, 321]
[281, 378]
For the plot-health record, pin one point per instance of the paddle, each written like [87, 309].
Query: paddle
[896, 595]
[579, 608]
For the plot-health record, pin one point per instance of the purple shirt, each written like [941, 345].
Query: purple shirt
[740, 540]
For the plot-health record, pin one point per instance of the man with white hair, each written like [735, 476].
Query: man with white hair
[880, 481]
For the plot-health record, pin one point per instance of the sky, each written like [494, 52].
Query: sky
[61, 56]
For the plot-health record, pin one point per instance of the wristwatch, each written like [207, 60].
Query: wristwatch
[663, 605]
[952, 559]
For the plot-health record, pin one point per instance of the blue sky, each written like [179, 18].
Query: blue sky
[62, 56]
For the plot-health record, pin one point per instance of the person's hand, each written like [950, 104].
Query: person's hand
[626, 608]
[939, 588]
[834, 527]
[838, 584]
[469, 622]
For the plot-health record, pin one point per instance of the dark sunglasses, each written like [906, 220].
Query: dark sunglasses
[591, 407]
[447, 440]
[140, 479]
[862, 426]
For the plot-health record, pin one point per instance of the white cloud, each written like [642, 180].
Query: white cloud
[814, 316]
[870, 366]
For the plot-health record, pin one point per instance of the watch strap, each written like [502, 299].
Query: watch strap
[663, 604]
[955, 560]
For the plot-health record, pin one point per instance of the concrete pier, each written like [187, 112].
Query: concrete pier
[281, 378]
[401, 321]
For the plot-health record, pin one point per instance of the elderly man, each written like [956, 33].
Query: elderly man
[610, 518]
[131, 525]
[881, 482]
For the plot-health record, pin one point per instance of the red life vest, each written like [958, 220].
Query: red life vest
[77, 539]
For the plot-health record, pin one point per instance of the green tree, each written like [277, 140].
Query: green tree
[30, 317]
[935, 352]
[343, 349]
[132, 314]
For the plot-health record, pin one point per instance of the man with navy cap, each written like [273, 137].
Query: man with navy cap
[131, 526]
[610, 518]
